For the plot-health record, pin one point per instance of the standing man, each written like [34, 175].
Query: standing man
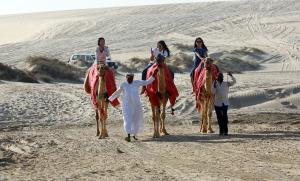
[131, 104]
[220, 89]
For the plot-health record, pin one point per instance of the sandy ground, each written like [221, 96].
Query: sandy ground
[53, 137]
[265, 150]
[47, 131]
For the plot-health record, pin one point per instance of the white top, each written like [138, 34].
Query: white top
[156, 52]
[131, 104]
[221, 92]
[102, 56]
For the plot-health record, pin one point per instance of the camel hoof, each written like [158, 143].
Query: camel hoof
[165, 133]
[210, 131]
[101, 136]
[203, 131]
[156, 136]
[105, 134]
[98, 133]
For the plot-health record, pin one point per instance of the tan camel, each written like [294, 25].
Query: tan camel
[206, 99]
[159, 112]
[101, 100]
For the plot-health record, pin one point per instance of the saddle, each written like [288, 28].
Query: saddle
[152, 89]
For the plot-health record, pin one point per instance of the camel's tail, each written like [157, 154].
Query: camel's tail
[86, 84]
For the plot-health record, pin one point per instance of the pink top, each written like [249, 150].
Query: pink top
[102, 55]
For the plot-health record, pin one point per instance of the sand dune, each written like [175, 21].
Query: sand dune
[47, 130]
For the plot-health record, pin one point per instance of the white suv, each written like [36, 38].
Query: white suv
[90, 58]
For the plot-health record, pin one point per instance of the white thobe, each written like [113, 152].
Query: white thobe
[131, 104]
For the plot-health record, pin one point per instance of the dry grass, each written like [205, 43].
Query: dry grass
[181, 62]
[10, 73]
[53, 70]
[135, 64]
[183, 47]
[236, 65]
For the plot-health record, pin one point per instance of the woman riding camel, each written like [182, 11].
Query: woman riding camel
[102, 52]
[161, 49]
[200, 51]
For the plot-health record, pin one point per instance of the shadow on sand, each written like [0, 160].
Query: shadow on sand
[236, 137]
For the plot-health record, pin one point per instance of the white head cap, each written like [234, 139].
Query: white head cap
[129, 74]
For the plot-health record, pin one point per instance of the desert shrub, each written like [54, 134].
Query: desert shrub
[180, 62]
[183, 47]
[135, 64]
[10, 73]
[51, 70]
[236, 65]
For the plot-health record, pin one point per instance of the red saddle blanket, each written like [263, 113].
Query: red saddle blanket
[152, 88]
[93, 80]
[199, 79]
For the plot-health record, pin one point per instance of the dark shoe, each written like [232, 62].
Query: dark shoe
[135, 138]
[225, 134]
[127, 139]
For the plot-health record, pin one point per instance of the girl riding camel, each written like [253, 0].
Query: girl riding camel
[161, 49]
[200, 51]
[102, 52]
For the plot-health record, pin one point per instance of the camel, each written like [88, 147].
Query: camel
[159, 111]
[206, 98]
[101, 100]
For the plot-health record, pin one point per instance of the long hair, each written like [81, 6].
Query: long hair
[203, 45]
[99, 39]
[164, 46]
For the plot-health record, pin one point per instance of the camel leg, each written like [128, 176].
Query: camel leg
[163, 118]
[102, 120]
[209, 114]
[155, 119]
[203, 117]
[97, 122]
[105, 118]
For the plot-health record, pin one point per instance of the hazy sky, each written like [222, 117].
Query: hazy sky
[25, 6]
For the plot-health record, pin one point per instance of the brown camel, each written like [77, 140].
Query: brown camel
[206, 99]
[159, 111]
[101, 100]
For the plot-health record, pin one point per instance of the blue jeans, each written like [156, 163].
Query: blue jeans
[144, 73]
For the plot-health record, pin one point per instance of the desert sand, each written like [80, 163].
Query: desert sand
[47, 131]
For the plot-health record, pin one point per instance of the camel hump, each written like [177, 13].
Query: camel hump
[86, 85]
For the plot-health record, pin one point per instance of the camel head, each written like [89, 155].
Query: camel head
[208, 62]
[160, 60]
[101, 69]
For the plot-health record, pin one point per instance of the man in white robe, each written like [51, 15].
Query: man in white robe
[131, 104]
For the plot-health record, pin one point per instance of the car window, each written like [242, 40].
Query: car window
[75, 57]
[82, 57]
[89, 58]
